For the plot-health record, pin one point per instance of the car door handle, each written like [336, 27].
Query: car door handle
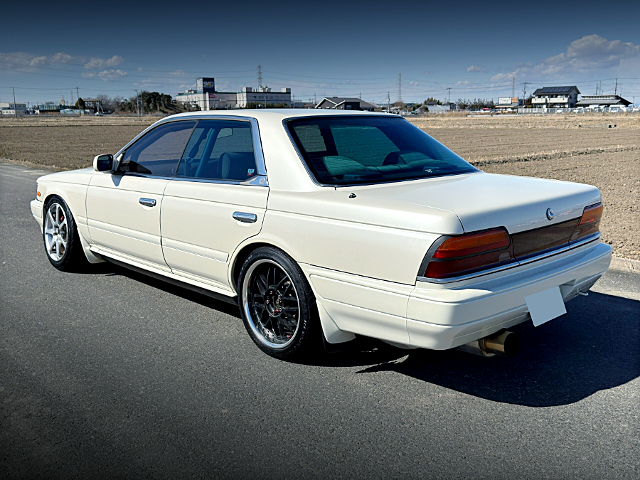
[148, 202]
[245, 217]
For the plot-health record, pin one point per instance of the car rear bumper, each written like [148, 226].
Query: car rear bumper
[440, 318]
[443, 316]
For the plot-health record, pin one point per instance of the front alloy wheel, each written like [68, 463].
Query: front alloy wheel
[56, 231]
[61, 241]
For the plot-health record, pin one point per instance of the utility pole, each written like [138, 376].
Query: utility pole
[137, 104]
[72, 98]
[524, 92]
[388, 103]
[513, 87]
[616, 90]
[399, 87]
[259, 75]
[15, 107]
[449, 101]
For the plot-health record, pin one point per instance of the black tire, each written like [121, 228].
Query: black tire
[60, 237]
[277, 305]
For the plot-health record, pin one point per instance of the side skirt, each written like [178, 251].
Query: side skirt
[218, 296]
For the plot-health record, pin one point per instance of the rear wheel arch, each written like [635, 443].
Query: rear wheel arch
[243, 252]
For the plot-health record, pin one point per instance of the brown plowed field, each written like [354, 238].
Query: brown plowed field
[602, 150]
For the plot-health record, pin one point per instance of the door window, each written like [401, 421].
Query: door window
[219, 150]
[159, 151]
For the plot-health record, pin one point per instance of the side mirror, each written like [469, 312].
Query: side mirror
[103, 163]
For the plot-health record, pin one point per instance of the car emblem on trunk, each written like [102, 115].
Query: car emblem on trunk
[549, 214]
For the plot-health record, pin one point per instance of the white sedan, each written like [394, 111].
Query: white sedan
[322, 225]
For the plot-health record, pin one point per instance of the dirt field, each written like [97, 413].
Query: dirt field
[602, 150]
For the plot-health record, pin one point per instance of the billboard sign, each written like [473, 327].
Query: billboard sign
[206, 85]
[504, 101]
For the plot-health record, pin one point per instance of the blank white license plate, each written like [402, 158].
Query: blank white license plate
[546, 305]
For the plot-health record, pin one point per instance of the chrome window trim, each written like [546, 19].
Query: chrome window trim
[255, 134]
[591, 238]
[297, 150]
[258, 180]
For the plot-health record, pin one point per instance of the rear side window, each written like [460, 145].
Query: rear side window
[219, 150]
[345, 150]
[158, 152]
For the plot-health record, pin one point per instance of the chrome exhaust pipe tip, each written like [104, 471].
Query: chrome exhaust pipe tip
[500, 343]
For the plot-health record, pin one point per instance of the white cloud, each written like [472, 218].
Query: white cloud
[109, 75]
[14, 60]
[413, 84]
[37, 61]
[476, 68]
[97, 62]
[88, 74]
[589, 53]
[63, 58]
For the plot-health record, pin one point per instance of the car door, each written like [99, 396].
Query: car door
[216, 200]
[123, 208]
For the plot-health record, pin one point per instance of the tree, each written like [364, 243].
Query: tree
[80, 103]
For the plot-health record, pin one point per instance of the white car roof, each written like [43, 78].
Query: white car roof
[277, 114]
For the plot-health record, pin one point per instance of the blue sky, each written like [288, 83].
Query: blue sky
[346, 48]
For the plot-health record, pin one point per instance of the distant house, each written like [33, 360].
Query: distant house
[603, 101]
[433, 107]
[345, 103]
[555, 97]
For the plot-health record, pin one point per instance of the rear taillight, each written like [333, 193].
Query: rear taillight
[468, 253]
[590, 221]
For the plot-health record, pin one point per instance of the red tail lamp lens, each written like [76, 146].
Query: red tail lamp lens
[469, 253]
[591, 214]
[590, 221]
[473, 244]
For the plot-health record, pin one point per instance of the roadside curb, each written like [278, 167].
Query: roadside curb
[625, 265]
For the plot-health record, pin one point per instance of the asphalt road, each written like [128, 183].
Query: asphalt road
[110, 374]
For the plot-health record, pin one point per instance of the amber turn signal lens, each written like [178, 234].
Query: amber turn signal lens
[473, 244]
[591, 214]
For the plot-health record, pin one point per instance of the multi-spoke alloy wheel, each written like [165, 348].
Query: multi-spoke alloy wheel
[276, 303]
[271, 303]
[61, 241]
[56, 231]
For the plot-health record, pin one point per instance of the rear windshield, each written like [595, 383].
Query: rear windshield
[353, 150]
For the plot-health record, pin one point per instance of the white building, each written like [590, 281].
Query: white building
[263, 96]
[205, 97]
[209, 101]
[11, 108]
[555, 97]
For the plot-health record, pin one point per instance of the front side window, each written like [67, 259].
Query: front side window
[346, 150]
[158, 152]
[219, 150]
